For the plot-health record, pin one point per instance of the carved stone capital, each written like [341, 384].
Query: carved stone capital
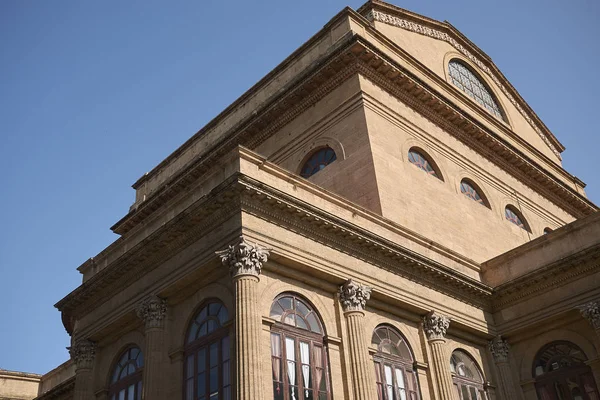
[354, 296]
[499, 349]
[244, 258]
[152, 311]
[435, 325]
[82, 353]
[591, 312]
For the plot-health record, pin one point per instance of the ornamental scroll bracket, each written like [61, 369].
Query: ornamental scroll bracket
[435, 325]
[244, 258]
[499, 349]
[354, 296]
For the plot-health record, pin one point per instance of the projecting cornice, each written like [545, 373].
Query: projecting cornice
[355, 55]
[395, 16]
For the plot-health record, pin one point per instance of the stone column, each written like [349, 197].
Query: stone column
[83, 353]
[245, 261]
[153, 312]
[435, 327]
[499, 349]
[353, 298]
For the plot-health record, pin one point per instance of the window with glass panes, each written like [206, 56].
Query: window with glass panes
[208, 366]
[126, 379]
[468, 189]
[512, 215]
[418, 159]
[317, 161]
[463, 78]
[298, 355]
[394, 373]
[468, 381]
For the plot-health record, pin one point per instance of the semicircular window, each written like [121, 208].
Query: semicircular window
[466, 376]
[560, 372]
[292, 311]
[394, 373]
[466, 80]
[471, 191]
[208, 368]
[126, 380]
[418, 159]
[511, 214]
[317, 161]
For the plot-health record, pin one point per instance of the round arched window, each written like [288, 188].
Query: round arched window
[298, 354]
[463, 78]
[394, 373]
[208, 369]
[466, 376]
[560, 372]
[470, 190]
[126, 378]
[514, 216]
[417, 158]
[317, 161]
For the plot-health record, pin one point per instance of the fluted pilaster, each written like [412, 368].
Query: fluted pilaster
[83, 354]
[245, 261]
[353, 298]
[153, 311]
[500, 349]
[435, 327]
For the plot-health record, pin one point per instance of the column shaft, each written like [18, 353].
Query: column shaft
[362, 368]
[154, 362]
[247, 329]
[441, 369]
[507, 383]
[83, 385]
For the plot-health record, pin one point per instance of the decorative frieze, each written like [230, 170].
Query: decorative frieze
[354, 296]
[499, 349]
[82, 353]
[152, 311]
[244, 258]
[435, 325]
[436, 34]
[591, 312]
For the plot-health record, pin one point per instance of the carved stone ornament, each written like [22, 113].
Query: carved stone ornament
[499, 349]
[591, 312]
[152, 311]
[435, 325]
[82, 353]
[354, 296]
[244, 258]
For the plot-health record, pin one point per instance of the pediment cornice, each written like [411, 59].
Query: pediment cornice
[394, 16]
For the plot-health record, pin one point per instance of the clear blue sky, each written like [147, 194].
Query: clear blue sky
[95, 93]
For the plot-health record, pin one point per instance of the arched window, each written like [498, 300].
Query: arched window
[471, 190]
[560, 372]
[467, 81]
[466, 376]
[298, 354]
[318, 160]
[207, 368]
[394, 373]
[547, 231]
[514, 216]
[417, 158]
[126, 378]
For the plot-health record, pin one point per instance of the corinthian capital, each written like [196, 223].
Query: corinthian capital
[591, 312]
[499, 349]
[435, 325]
[244, 258]
[354, 296]
[152, 311]
[82, 353]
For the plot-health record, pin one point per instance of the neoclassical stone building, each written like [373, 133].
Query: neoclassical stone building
[381, 217]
